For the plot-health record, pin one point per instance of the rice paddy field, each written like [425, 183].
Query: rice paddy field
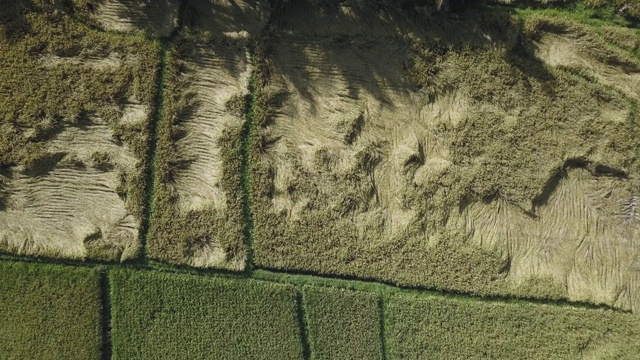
[304, 179]
[343, 324]
[170, 316]
[50, 312]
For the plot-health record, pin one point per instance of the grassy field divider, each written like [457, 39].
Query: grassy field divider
[299, 280]
[383, 335]
[105, 314]
[303, 323]
[246, 135]
[152, 154]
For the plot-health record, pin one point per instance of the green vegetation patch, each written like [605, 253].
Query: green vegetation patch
[168, 316]
[343, 324]
[444, 328]
[49, 312]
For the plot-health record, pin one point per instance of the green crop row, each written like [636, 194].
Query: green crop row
[343, 324]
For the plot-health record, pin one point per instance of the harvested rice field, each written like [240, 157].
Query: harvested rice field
[152, 18]
[306, 179]
[198, 203]
[493, 154]
[75, 107]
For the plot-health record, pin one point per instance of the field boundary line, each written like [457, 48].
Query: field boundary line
[307, 278]
[245, 169]
[152, 145]
[383, 335]
[106, 349]
[387, 287]
[303, 324]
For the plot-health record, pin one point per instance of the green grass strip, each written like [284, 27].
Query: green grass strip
[245, 149]
[152, 154]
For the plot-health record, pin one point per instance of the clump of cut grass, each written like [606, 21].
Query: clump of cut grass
[174, 316]
[630, 210]
[453, 328]
[343, 324]
[237, 104]
[49, 311]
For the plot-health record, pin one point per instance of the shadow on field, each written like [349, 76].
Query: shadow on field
[361, 44]
[12, 21]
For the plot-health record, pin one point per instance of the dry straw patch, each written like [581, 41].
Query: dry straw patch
[75, 105]
[371, 152]
[349, 155]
